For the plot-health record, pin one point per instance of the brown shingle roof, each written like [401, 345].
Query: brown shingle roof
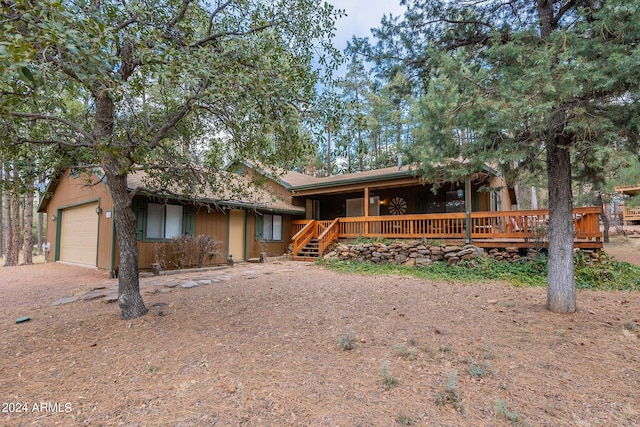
[235, 191]
[365, 176]
[295, 180]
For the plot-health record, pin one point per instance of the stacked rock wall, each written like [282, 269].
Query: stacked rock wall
[409, 253]
[418, 253]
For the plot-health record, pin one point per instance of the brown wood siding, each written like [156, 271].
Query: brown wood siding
[505, 194]
[271, 248]
[72, 191]
[212, 224]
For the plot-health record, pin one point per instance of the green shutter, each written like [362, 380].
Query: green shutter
[259, 227]
[137, 206]
[189, 220]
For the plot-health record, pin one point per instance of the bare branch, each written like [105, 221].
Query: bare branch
[216, 36]
[49, 117]
[172, 23]
[126, 23]
[214, 13]
[564, 9]
[164, 129]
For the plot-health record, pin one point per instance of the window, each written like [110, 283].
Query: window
[163, 221]
[269, 228]
[355, 207]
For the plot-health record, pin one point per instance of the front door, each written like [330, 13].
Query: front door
[237, 235]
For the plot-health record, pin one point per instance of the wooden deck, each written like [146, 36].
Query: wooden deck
[525, 228]
[630, 214]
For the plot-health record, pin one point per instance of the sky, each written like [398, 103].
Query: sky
[362, 15]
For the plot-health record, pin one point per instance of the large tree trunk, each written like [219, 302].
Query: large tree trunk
[605, 218]
[561, 291]
[13, 256]
[1, 214]
[28, 227]
[10, 221]
[129, 298]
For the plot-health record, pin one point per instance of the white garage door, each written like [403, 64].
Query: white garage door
[79, 235]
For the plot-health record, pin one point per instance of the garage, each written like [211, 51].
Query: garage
[79, 235]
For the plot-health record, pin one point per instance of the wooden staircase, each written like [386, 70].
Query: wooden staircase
[314, 239]
[310, 252]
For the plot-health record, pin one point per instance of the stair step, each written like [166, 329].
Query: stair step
[304, 258]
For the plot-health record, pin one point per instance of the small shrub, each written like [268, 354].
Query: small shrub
[501, 409]
[407, 353]
[207, 248]
[348, 340]
[445, 348]
[388, 381]
[450, 396]
[403, 419]
[477, 370]
[186, 251]
[152, 369]
[488, 352]
[630, 326]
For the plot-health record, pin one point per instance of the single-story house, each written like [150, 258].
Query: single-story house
[81, 229]
[293, 208]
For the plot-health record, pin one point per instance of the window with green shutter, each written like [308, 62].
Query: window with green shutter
[269, 227]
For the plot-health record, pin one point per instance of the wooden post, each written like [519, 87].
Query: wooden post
[366, 210]
[467, 208]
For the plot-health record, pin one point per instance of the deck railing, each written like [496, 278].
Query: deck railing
[304, 235]
[328, 236]
[631, 214]
[325, 232]
[523, 225]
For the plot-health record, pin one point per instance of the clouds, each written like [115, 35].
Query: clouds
[362, 15]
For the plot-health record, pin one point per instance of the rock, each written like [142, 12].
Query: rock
[204, 282]
[94, 295]
[63, 301]
[400, 258]
[463, 252]
[190, 284]
[410, 262]
[453, 260]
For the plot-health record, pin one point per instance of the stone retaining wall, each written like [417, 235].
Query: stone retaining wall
[418, 253]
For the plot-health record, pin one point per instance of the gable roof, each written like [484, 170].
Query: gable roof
[292, 180]
[251, 196]
[235, 192]
[296, 181]
[356, 177]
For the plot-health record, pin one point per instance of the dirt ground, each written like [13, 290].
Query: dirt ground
[259, 347]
